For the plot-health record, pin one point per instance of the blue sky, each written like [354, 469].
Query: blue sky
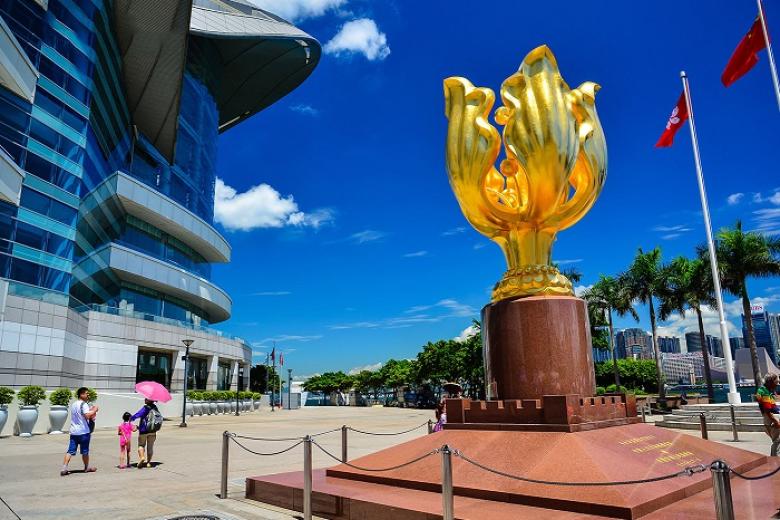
[348, 245]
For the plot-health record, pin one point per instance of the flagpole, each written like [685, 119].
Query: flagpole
[769, 54]
[733, 397]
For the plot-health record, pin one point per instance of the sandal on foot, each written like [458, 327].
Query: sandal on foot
[90, 470]
[64, 473]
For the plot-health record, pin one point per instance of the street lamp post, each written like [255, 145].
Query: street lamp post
[289, 388]
[239, 376]
[186, 358]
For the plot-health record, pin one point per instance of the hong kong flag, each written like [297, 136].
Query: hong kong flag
[745, 56]
[676, 121]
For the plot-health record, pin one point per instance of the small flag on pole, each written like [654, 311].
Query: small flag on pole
[281, 359]
[676, 120]
[273, 356]
[745, 56]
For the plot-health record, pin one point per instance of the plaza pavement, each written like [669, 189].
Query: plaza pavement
[187, 480]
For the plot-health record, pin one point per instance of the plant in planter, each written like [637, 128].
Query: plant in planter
[58, 411]
[6, 396]
[29, 397]
[246, 400]
[213, 396]
[196, 397]
[256, 396]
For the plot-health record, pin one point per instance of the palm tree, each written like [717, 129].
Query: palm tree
[688, 284]
[741, 255]
[609, 295]
[642, 281]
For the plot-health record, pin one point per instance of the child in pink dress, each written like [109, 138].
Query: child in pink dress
[125, 432]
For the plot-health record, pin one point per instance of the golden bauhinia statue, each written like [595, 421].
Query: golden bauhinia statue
[555, 166]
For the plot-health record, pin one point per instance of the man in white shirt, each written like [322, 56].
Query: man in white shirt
[80, 415]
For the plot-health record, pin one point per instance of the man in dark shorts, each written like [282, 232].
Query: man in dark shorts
[80, 415]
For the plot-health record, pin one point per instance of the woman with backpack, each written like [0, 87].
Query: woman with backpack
[148, 426]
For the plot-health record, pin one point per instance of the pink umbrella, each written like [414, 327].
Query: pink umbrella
[154, 391]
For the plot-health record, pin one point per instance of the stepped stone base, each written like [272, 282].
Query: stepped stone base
[628, 452]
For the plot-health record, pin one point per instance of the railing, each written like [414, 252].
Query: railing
[719, 470]
[115, 311]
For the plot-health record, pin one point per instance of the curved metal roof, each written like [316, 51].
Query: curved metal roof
[261, 59]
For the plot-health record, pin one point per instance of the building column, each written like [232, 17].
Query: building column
[247, 370]
[177, 372]
[234, 377]
[211, 380]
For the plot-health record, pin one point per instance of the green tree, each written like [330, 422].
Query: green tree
[688, 285]
[642, 281]
[742, 255]
[636, 374]
[609, 294]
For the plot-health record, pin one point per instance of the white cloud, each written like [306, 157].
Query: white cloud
[680, 228]
[468, 332]
[306, 110]
[416, 254]
[580, 290]
[261, 206]
[368, 235]
[443, 309]
[258, 353]
[479, 245]
[767, 220]
[360, 36]
[454, 231]
[272, 293]
[735, 198]
[371, 368]
[296, 10]
[286, 338]
[671, 236]
[570, 261]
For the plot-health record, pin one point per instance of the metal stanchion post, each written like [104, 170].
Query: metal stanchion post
[642, 408]
[734, 424]
[447, 498]
[430, 426]
[307, 478]
[703, 424]
[225, 455]
[344, 443]
[721, 491]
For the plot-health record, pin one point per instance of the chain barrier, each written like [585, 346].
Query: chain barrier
[757, 477]
[270, 454]
[689, 471]
[378, 470]
[388, 433]
[326, 432]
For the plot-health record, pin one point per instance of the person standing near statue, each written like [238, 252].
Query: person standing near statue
[766, 403]
[82, 418]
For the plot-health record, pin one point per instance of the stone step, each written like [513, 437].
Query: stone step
[711, 426]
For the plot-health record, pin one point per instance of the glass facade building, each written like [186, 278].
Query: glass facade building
[110, 112]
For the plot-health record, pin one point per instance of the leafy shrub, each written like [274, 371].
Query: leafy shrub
[31, 395]
[600, 390]
[196, 395]
[60, 397]
[256, 396]
[92, 395]
[613, 389]
[6, 395]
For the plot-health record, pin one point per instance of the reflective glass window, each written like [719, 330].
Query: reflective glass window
[24, 271]
[30, 235]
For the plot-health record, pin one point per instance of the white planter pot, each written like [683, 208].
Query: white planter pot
[58, 414]
[26, 419]
[255, 404]
[247, 405]
[212, 407]
[221, 407]
[3, 416]
[188, 409]
[197, 407]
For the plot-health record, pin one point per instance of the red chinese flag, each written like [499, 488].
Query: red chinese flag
[281, 359]
[676, 121]
[745, 55]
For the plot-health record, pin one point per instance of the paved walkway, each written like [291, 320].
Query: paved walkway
[187, 480]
